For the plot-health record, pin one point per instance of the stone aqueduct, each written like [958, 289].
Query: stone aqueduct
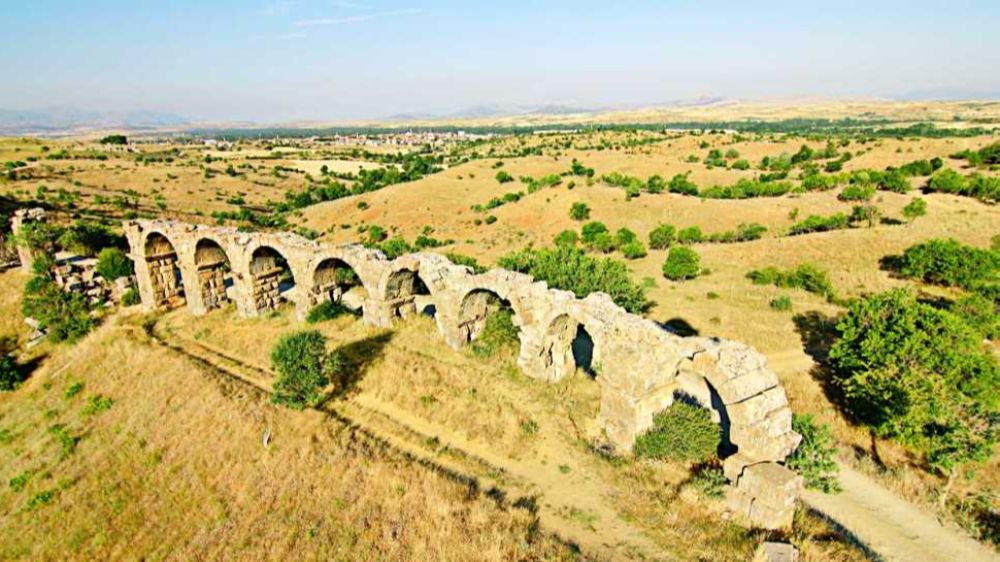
[640, 366]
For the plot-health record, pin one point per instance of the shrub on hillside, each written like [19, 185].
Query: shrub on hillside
[304, 368]
[566, 238]
[661, 237]
[916, 208]
[919, 375]
[681, 184]
[10, 375]
[949, 262]
[112, 264]
[633, 250]
[682, 263]
[591, 231]
[571, 269]
[579, 211]
[816, 223]
[781, 304]
[690, 235]
[805, 276]
[65, 316]
[979, 313]
[681, 433]
[816, 456]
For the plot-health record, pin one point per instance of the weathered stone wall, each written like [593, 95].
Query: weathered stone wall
[22, 217]
[639, 366]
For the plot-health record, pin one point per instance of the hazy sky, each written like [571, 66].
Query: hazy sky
[269, 60]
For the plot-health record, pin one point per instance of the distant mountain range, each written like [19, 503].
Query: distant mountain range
[486, 111]
[64, 119]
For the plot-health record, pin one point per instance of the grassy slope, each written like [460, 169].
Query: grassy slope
[176, 470]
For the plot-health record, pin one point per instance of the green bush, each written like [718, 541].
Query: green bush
[579, 211]
[710, 482]
[682, 263]
[112, 264]
[680, 433]
[468, 261]
[571, 269]
[131, 297]
[566, 238]
[979, 313]
[782, 303]
[10, 375]
[661, 237]
[633, 250]
[395, 247]
[304, 368]
[690, 235]
[920, 375]
[504, 177]
[681, 184]
[949, 262]
[806, 276]
[326, 310]
[916, 208]
[856, 193]
[499, 333]
[591, 231]
[816, 457]
[816, 223]
[63, 315]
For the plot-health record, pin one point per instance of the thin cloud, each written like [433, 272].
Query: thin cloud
[357, 19]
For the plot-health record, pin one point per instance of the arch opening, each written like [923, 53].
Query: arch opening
[272, 281]
[215, 274]
[476, 310]
[583, 351]
[336, 281]
[164, 271]
[406, 284]
[481, 308]
[694, 389]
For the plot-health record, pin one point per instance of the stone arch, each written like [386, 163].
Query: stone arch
[476, 306]
[335, 280]
[272, 281]
[165, 276]
[215, 278]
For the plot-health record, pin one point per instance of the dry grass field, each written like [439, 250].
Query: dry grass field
[177, 463]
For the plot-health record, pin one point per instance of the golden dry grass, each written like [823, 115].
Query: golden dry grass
[176, 470]
[483, 408]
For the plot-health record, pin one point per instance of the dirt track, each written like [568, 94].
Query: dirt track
[891, 527]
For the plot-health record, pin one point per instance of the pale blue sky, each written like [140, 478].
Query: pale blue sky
[271, 60]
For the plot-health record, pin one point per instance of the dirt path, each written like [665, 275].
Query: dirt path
[888, 526]
[892, 527]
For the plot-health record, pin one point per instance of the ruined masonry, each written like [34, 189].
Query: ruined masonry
[640, 367]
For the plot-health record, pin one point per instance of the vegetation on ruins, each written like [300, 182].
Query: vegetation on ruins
[65, 316]
[304, 368]
[816, 456]
[112, 263]
[499, 333]
[326, 310]
[682, 433]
